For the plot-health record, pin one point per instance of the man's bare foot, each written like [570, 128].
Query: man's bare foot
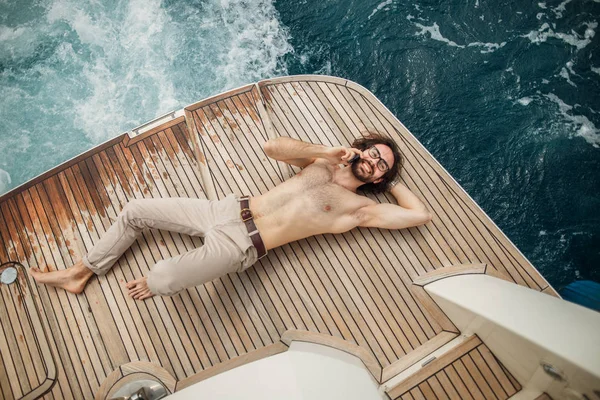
[138, 288]
[72, 279]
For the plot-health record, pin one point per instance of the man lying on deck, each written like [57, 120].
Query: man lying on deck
[238, 231]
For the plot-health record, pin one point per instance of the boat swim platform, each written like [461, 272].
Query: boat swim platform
[353, 291]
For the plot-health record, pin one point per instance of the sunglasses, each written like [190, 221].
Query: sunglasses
[376, 155]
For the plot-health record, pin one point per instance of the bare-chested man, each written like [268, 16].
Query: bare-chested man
[320, 199]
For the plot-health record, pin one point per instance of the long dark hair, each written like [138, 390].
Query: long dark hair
[370, 139]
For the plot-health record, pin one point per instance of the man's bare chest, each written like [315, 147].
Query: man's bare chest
[316, 190]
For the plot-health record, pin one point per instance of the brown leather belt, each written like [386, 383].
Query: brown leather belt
[248, 220]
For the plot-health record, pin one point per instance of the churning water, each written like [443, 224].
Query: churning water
[504, 93]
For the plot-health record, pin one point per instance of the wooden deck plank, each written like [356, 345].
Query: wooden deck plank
[497, 370]
[239, 141]
[386, 282]
[252, 281]
[147, 246]
[210, 303]
[105, 301]
[488, 375]
[379, 301]
[317, 300]
[392, 266]
[18, 212]
[298, 110]
[416, 394]
[330, 133]
[253, 307]
[329, 287]
[56, 205]
[339, 114]
[284, 121]
[362, 316]
[458, 383]
[247, 105]
[481, 382]
[298, 295]
[437, 388]
[417, 355]
[314, 113]
[10, 348]
[17, 337]
[250, 139]
[180, 142]
[60, 300]
[262, 294]
[21, 232]
[214, 159]
[468, 380]
[448, 386]
[235, 310]
[324, 269]
[280, 98]
[485, 249]
[427, 391]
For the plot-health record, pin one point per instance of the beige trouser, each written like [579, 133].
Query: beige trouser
[227, 247]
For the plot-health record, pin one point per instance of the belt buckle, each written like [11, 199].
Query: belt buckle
[244, 219]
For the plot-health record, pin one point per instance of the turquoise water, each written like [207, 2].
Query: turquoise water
[505, 95]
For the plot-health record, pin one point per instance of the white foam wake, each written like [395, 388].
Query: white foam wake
[137, 54]
[87, 70]
[435, 34]
[558, 11]
[379, 7]
[487, 47]
[573, 38]
[583, 127]
[524, 101]
[5, 181]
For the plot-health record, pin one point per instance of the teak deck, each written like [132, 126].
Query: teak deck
[354, 286]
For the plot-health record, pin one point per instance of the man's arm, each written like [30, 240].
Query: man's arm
[410, 211]
[301, 154]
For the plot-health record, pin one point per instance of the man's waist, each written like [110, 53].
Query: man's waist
[248, 219]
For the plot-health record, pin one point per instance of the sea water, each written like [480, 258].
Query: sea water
[504, 94]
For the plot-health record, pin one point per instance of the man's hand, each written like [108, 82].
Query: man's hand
[339, 155]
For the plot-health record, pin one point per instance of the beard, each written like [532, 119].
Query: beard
[358, 172]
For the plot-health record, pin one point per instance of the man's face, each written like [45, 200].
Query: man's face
[366, 169]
